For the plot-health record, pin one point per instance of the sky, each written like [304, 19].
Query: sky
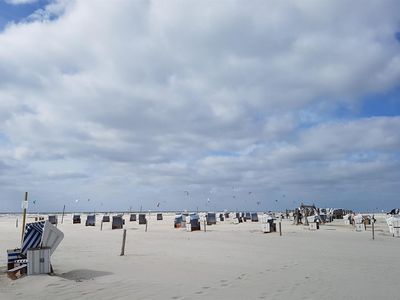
[172, 105]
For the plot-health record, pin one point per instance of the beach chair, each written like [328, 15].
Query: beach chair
[132, 218]
[226, 215]
[178, 221]
[159, 217]
[40, 241]
[76, 219]
[192, 222]
[142, 219]
[268, 224]
[211, 218]
[221, 217]
[254, 217]
[106, 219]
[53, 219]
[117, 222]
[90, 220]
[313, 222]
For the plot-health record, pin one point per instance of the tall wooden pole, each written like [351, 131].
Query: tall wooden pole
[123, 243]
[373, 227]
[62, 218]
[24, 206]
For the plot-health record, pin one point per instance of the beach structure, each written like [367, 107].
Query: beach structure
[393, 222]
[159, 217]
[247, 216]
[132, 218]
[226, 215]
[347, 219]
[192, 222]
[106, 219]
[40, 240]
[53, 219]
[211, 218]
[301, 213]
[313, 222]
[254, 217]
[90, 220]
[178, 221]
[142, 219]
[221, 217]
[359, 223]
[117, 222]
[268, 224]
[76, 219]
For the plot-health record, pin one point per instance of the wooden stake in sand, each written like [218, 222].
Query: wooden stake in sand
[373, 227]
[16, 223]
[24, 206]
[101, 226]
[146, 226]
[205, 225]
[280, 228]
[62, 218]
[123, 243]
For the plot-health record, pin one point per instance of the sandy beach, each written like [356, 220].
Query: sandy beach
[227, 262]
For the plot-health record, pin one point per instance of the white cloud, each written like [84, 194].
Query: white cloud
[150, 98]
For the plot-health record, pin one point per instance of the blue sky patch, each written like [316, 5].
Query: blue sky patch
[17, 13]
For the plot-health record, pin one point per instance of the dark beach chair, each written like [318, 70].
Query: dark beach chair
[76, 219]
[142, 219]
[91, 220]
[53, 219]
[211, 218]
[117, 222]
[159, 217]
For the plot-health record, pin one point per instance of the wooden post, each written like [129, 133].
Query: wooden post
[62, 218]
[280, 228]
[16, 223]
[373, 227]
[205, 225]
[123, 243]
[101, 226]
[146, 226]
[24, 205]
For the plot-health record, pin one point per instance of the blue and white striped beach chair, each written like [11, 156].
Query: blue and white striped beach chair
[37, 235]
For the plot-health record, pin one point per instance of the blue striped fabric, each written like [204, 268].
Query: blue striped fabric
[33, 236]
[13, 255]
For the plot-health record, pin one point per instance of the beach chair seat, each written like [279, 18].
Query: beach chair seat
[17, 271]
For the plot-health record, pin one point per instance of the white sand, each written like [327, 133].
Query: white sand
[226, 262]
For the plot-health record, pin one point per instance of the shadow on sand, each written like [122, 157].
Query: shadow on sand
[83, 274]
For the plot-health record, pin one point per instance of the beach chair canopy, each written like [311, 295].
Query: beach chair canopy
[106, 218]
[41, 234]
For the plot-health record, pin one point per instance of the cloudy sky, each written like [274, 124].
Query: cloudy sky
[209, 104]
